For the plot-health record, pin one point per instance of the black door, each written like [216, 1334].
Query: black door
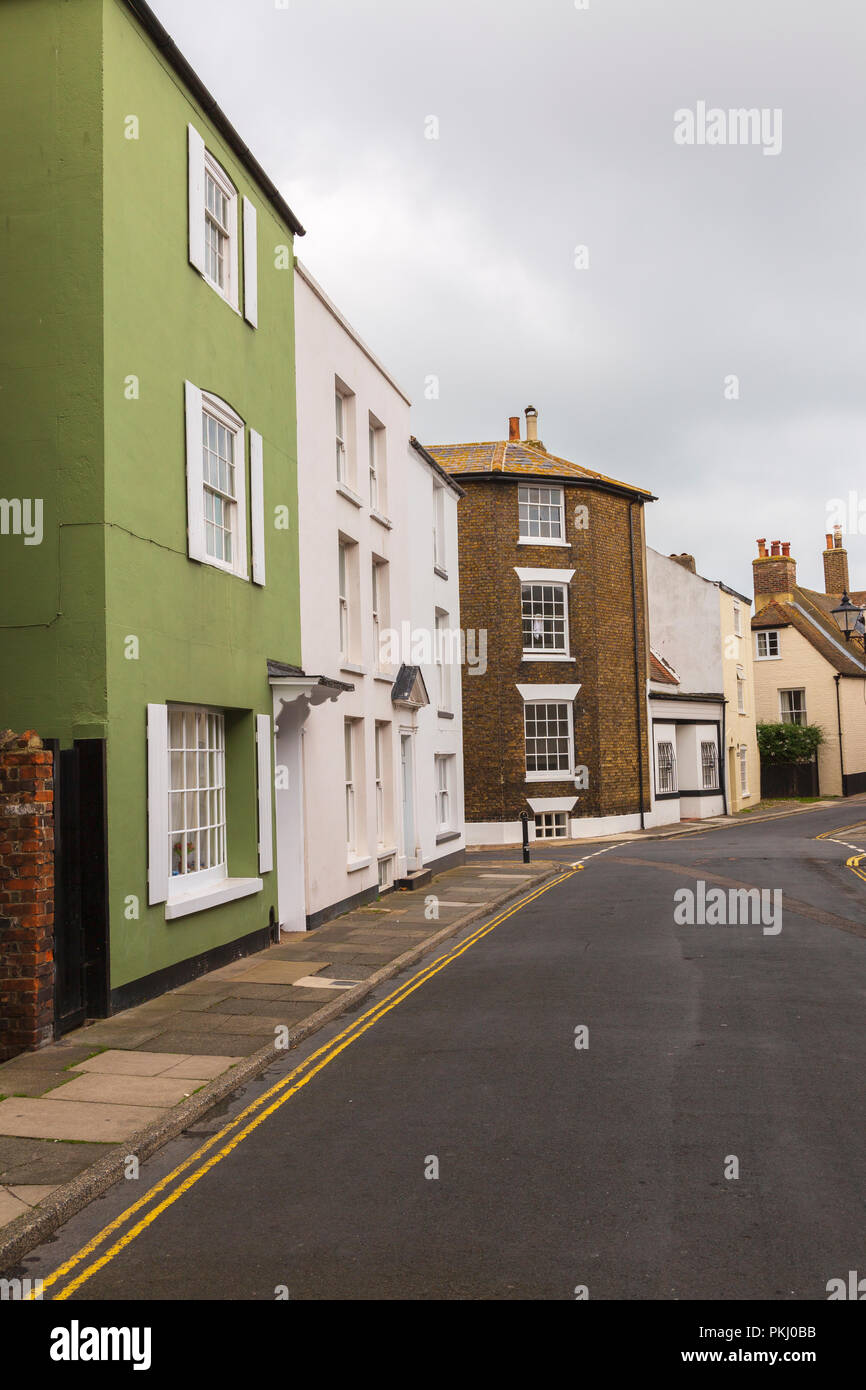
[80, 884]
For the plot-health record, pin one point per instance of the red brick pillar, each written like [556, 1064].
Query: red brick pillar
[26, 893]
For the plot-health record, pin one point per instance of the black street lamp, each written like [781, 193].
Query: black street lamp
[850, 620]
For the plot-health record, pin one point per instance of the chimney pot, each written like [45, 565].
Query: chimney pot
[786, 547]
[762, 547]
[835, 564]
[775, 575]
[837, 537]
[514, 427]
[531, 424]
[829, 539]
[775, 547]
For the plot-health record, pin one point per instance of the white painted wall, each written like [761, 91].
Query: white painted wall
[399, 534]
[685, 622]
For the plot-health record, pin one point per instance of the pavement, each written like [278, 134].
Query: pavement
[579, 1093]
[72, 1113]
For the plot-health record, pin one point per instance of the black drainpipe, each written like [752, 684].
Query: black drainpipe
[637, 689]
[837, 679]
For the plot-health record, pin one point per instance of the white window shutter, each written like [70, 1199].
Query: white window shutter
[257, 506]
[251, 265]
[194, 476]
[241, 566]
[196, 198]
[266, 814]
[157, 804]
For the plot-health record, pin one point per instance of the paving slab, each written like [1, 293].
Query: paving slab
[283, 972]
[203, 1068]
[251, 1025]
[115, 1063]
[32, 1081]
[183, 1022]
[286, 1007]
[45, 1160]
[10, 1206]
[32, 1194]
[201, 1044]
[126, 1090]
[170, 1003]
[56, 1119]
[114, 1034]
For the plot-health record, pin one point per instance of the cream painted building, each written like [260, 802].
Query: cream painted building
[805, 672]
[700, 694]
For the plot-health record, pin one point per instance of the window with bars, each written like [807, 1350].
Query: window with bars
[709, 765]
[197, 802]
[443, 791]
[219, 442]
[545, 622]
[541, 513]
[551, 825]
[767, 644]
[792, 706]
[666, 767]
[547, 727]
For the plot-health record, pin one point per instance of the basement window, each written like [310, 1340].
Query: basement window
[551, 825]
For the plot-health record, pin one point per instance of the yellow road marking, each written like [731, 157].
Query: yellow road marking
[330, 1050]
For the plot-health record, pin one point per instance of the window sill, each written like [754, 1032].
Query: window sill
[548, 656]
[445, 714]
[550, 776]
[226, 890]
[350, 496]
[353, 668]
[353, 865]
[384, 852]
[543, 541]
[213, 564]
[221, 292]
[383, 676]
[382, 520]
[447, 835]
[443, 574]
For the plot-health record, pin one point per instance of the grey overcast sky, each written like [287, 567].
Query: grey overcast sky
[455, 256]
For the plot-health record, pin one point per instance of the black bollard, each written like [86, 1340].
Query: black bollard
[524, 817]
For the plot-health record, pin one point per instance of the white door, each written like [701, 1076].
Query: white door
[407, 787]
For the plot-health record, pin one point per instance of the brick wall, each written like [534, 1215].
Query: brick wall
[601, 640]
[26, 894]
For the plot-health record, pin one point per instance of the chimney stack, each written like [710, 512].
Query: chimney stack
[514, 427]
[531, 424]
[835, 564]
[687, 561]
[775, 575]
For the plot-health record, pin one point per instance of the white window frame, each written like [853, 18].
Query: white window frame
[441, 634]
[738, 621]
[229, 291]
[563, 652]
[349, 741]
[443, 763]
[183, 880]
[743, 760]
[380, 604]
[341, 411]
[223, 414]
[379, 772]
[741, 690]
[767, 655]
[376, 464]
[559, 774]
[551, 825]
[784, 715]
[343, 587]
[439, 546]
[530, 495]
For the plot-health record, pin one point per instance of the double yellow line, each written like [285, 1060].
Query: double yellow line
[856, 859]
[256, 1113]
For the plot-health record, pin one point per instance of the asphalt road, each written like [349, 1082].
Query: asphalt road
[606, 1166]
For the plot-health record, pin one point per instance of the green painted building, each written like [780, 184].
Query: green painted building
[148, 555]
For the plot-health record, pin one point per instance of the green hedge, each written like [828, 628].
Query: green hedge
[789, 743]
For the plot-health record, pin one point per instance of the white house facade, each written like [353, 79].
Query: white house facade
[378, 793]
